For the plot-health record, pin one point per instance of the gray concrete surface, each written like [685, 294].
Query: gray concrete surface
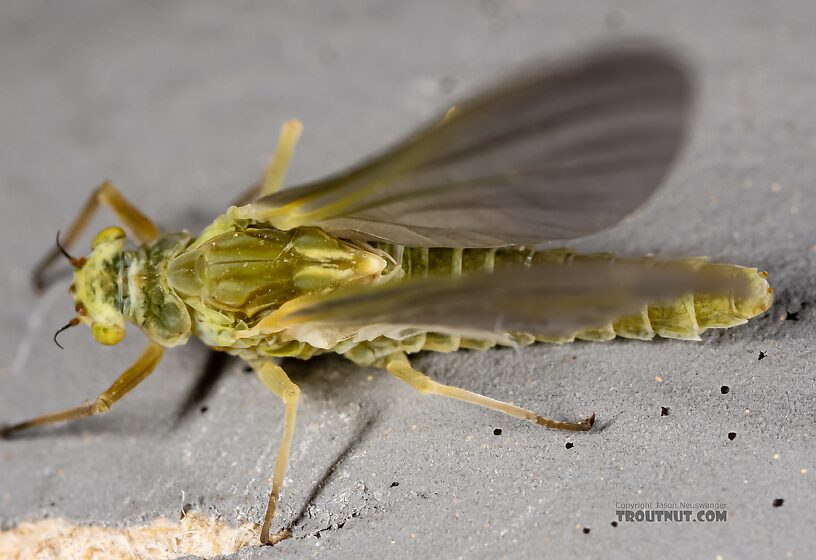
[180, 104]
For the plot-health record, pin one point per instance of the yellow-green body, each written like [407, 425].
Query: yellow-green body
[226, 285]
[340, 264]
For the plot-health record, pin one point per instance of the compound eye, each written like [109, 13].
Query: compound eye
[108, 234]
[107, 334]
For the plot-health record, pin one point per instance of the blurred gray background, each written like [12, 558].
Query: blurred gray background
[180, 102]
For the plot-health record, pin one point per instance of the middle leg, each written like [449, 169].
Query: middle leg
[276, 380]
[275, 171]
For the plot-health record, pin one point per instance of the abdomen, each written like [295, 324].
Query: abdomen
[684, 318]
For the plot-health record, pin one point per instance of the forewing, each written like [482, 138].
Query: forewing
[545, 300]
[556, 153]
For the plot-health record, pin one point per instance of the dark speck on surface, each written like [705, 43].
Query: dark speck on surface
[614, 523]
[792, 316]
[497, 432]
[586, 530]
[732, 435]
[761, 355]
[778, 502]
[664, 411]
[725, 389]
[569, 445]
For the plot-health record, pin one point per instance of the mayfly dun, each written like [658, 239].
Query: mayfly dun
[427, 246]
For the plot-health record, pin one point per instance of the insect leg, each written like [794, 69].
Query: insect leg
[452, 112]
[275, 171]
[107, 195]
[276, 380]
[272, 179]
[399, 366]
[126, 382]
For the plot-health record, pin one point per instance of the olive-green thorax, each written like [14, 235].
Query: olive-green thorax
[244, 272]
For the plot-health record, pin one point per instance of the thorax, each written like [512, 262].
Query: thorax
[236, 274]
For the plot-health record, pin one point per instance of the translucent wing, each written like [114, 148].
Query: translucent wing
[546, 300]
[553, 154]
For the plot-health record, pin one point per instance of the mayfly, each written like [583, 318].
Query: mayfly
[428, 246]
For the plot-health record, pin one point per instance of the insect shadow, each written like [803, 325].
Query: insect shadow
[215, 365]
[602, 426]
[360, 433]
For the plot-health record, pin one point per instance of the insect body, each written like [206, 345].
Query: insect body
[426, 246]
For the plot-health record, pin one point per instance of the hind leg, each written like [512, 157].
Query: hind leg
[399, 366]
